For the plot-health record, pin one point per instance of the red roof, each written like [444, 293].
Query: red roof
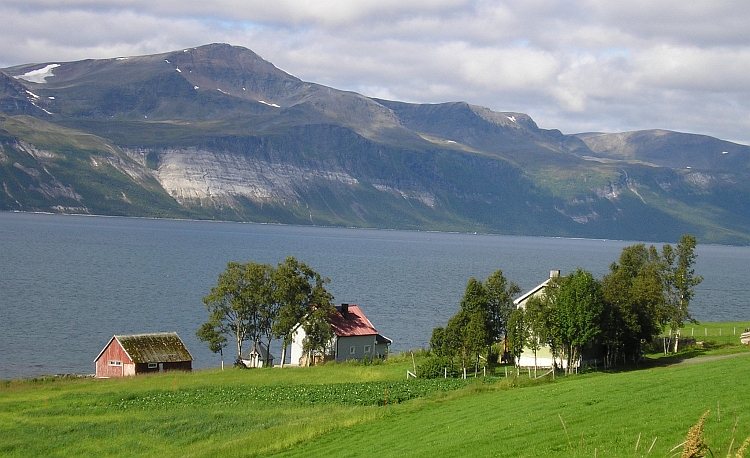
[350, 321]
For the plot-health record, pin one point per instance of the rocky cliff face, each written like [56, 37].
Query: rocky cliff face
[208, 178]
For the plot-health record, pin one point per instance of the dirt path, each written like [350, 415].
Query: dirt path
[707, 359]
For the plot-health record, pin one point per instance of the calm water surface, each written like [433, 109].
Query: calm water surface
[68, 283]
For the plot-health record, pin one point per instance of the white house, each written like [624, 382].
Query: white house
[355, 338]
[257, 356]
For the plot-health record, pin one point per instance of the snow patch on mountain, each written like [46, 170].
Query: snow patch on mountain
[40, 75]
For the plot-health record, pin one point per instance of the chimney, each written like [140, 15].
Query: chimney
[554, 273]
[344, 310]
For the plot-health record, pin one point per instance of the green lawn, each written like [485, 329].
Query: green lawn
[338, 410]
[724, 332]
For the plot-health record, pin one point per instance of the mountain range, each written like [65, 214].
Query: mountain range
[217, 132]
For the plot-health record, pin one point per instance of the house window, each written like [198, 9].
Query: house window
[352, 350]
[367, 348]
[115, 363]
[153, 365]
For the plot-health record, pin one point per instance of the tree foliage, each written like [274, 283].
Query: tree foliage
[680, 281]
[578, 310]
[538, 316]
[234, 305]
[634, 296]
[301, 298]
[517, 333]
[256, 302]
[500, 294]
[482, 320]
[644, 292]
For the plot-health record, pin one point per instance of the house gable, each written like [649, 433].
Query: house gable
[114, 361]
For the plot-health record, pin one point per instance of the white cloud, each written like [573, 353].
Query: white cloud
[573, 65]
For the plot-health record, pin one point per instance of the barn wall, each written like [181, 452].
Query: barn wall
[142, 368]
[113, 352]
[178, 366]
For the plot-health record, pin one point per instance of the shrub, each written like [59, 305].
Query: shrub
[436, 367]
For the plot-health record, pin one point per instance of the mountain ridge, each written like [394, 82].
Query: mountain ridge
[218, 132]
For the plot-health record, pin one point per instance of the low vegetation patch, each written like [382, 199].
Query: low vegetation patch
[352, 394]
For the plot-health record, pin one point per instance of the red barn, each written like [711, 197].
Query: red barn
[143, 353]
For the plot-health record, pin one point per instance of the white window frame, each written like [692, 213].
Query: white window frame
[115, 363]
[153, 365]
[352, 350]
[368, 349]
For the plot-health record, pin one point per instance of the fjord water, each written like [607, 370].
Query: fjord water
[69, 283]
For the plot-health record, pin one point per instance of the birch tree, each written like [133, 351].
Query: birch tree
[578, 307]
[302, 299]
[235, 304]
[679, 283]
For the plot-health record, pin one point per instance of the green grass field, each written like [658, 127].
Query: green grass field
[356, 410]
[724, 332]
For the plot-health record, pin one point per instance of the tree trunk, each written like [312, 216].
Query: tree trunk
[283, 355]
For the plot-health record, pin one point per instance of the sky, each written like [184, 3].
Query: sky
[575, 65]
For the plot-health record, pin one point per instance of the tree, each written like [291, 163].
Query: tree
[536, 319]
[455, 342]
[634, 301]
[578, 307]
[301, 299]
[500, 294]
[437, 342]
[481, 320]
[210, 334]
[680, 281]
[255, 301]
[517, 334]
[645, 292]
[318, 331]
[235, 303]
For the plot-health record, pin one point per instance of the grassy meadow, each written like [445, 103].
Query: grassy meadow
[718, 332]
[357, 410]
